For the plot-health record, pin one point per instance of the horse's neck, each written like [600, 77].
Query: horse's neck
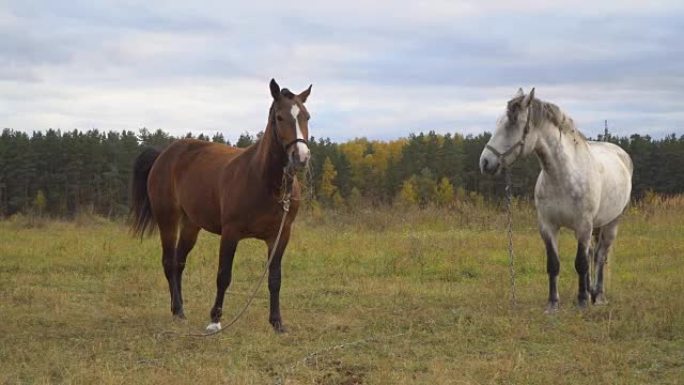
[563, 156]
[270, 159]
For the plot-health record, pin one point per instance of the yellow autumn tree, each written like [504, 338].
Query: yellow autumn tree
[39, 203]
[355, 152]
[408, 195]
[444, 194]
[328, 188]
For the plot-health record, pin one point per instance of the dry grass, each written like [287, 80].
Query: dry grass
[369, 298]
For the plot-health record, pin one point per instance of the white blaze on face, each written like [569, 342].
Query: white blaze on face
[301, 149]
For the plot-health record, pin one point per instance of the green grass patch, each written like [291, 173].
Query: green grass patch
[374, 297]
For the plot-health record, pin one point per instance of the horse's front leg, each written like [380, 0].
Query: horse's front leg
[223, 278]
[550, 237]
[274, 280]
[582, 265]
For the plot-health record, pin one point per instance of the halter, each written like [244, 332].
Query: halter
[502, 155]
[275, 133]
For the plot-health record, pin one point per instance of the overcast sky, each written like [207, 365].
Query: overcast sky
[380, 69]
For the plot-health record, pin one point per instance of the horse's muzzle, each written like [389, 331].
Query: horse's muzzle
[299, 156]
[489, 164]
[297, 164]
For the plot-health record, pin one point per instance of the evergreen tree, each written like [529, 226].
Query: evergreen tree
[60, 173]
[218, 138]
[426, 187]
[245, 140]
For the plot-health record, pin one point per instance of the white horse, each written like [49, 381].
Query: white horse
[583, 185]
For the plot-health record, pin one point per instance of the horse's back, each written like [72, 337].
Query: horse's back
[612, 157]
[608, 150]
[191, 158]
[184, 180]
[615, 170]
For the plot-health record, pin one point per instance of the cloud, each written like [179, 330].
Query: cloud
[382, 69]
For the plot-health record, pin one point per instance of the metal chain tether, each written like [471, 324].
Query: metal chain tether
[509, 212]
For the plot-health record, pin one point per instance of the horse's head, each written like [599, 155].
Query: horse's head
[290, 124]
[512, 137]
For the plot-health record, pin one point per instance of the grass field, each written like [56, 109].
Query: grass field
[369, 298]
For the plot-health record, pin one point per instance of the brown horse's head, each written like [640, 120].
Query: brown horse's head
[290, 122]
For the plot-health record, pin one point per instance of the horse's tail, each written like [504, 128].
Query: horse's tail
[141, 211]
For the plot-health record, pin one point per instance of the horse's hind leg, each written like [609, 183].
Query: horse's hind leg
[186, 241]
[608, 235]
[168, 231]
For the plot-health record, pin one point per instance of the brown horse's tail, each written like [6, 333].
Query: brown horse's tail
[141, 211]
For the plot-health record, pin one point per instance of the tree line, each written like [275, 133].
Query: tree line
[60, 173]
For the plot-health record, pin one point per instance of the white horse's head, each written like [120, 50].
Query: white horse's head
[513, 136]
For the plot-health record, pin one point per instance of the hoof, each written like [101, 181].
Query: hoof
[551, 308]
[599, 300]
[179, 317]
[213, 327]
[582, 304]
[279, 328]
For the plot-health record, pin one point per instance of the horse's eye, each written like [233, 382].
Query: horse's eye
[280, 118]
[511, 125]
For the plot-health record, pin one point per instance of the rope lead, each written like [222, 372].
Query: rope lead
[511, 255]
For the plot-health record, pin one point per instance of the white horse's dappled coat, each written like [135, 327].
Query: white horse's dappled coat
[583, 185]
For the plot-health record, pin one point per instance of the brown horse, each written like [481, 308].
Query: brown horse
[233, 192]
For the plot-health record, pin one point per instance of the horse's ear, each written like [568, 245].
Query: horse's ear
[305, 94]
[275, 89]
[528, 98]
[519, 93]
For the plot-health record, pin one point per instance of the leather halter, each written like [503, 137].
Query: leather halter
[502, 155]
[275, 133]
[298, 140]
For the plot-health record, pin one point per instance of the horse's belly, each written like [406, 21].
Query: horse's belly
[613, 203]
[204, 218]
[614, 199]
[557, 213]
[201, 208]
